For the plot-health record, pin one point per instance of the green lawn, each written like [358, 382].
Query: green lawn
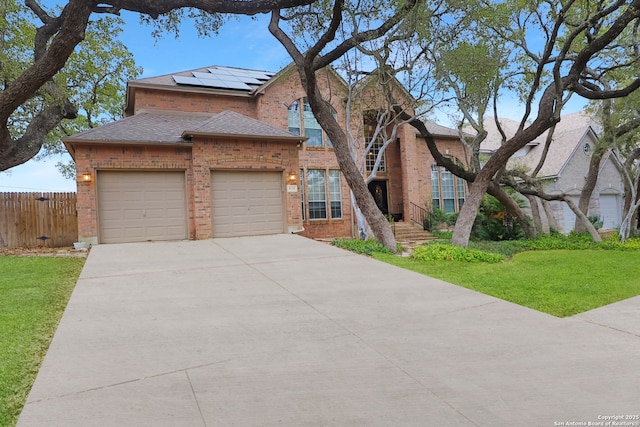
[558, 282]
[33, 294]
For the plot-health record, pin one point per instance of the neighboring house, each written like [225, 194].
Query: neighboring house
[566, 167]
[221, 151]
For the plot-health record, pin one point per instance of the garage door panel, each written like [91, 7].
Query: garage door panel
[610, 211]
[246, 203]
[141, 206]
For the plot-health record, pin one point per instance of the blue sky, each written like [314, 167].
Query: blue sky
[242, 42]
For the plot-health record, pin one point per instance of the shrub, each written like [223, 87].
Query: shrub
[559, 241]
[360, 246]
[613, 242]
[440, 234]
[446, 252]
[494, 223]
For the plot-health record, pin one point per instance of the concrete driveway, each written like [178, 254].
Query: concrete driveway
[282, 330]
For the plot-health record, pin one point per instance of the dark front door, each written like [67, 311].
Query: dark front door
[378, 190]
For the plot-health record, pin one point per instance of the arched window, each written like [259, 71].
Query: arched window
[448, 192]
[303, 122]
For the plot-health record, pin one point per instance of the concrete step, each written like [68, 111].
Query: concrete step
[407, 232]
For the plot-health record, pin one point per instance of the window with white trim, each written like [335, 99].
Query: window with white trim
[448, 192]
[314, 194]
[372, 155]
[303, 122]
[335, 194]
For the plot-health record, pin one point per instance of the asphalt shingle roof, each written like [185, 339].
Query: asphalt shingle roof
[232, 123]
[568, 133]
[143, 127]
[162, 127]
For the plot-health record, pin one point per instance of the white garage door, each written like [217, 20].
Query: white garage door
[141, 206]
[246, 203]
[610, 211]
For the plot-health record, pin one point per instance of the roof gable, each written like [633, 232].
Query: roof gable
[569, 136]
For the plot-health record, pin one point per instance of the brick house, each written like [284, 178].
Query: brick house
[219, 151]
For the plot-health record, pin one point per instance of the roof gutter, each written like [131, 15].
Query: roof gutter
[293, 138]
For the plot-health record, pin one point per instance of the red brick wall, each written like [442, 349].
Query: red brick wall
[208, 154]
[228, 154]
[167, 100]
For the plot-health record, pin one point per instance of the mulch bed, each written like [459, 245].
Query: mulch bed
[45, 251]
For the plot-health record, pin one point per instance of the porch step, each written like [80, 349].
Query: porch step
[410, 233]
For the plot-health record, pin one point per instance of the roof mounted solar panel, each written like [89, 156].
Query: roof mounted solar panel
[182, 80]
[237, 85]
[225, 78]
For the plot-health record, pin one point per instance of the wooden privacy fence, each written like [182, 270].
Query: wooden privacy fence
[38, 219]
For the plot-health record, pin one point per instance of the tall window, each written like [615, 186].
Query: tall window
[372, 155]
[370, 125]
[335, 194]
[302, 192]
[448, 192]
[316, 194]
[317, 188]
[303, 122]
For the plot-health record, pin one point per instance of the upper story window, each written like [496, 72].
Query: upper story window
[303, 122]
[448, 192]
[372, 155]
[371, 131]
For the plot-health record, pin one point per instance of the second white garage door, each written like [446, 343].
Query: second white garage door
[246, 203]
[610, 211]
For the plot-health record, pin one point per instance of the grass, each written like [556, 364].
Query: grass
[556, 274]
[34, 292]
[558, 282]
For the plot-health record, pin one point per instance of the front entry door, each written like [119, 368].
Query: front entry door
[378, 190]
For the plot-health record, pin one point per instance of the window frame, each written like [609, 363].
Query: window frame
[451, 197]
[333, 203]
[307, 123]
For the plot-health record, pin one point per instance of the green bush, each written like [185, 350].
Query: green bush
[559, 241]
[440, 234]
[613, 242]
[360, 246]
[446, 252]
[494, 223]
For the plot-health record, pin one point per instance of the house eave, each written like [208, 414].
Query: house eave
[292, 139]
[71, 142]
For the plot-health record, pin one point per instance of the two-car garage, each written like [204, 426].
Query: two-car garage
[136, 206]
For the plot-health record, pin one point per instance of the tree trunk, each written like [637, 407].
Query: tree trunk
[535, 213]
[551, 218]
[361, 222]
[589, 186]
[467, 216]
[579, 214]
[513, 209]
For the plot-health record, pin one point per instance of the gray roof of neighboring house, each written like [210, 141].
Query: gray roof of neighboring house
[162, 127]
[439, 130]
[569, 132]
